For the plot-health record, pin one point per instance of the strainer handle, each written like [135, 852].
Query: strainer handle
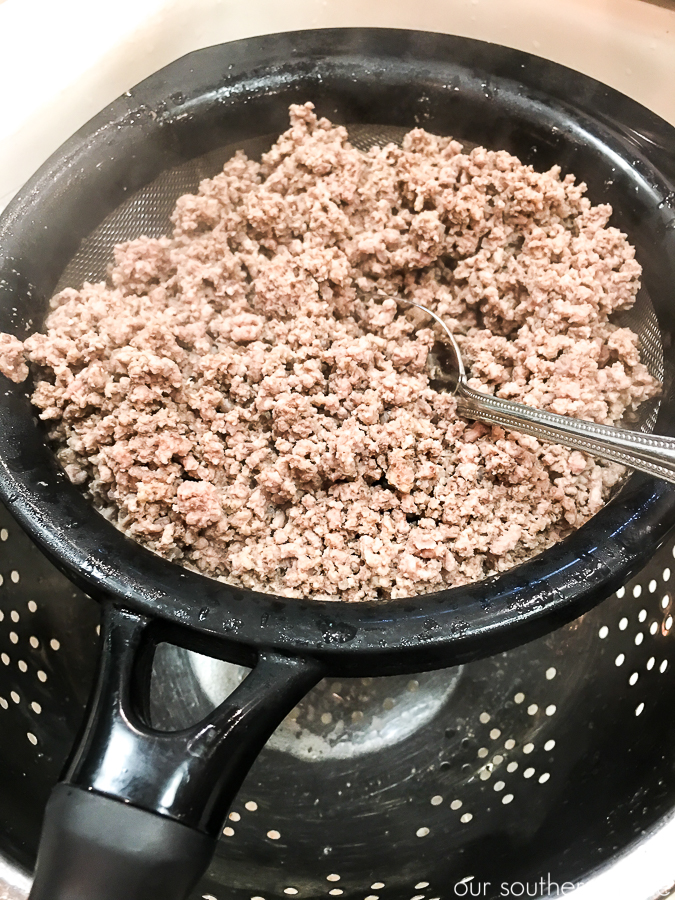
[140, 811]
[95, 847]
[649, 453]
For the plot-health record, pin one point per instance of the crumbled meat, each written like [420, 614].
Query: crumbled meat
[12, 362]
[240, 399]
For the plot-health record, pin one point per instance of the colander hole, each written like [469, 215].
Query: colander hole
[650, 663]
[639, 708]
[528, 748]
[273, 835]
[551, 673]
[637, 590]
[499, 785]
[652, 586]
[257, 898]
[35, 706]
[54, 644]
[544, 778]
[251, 805]
[332, 877]
[528, 773]
[666, 574]
[483, 752]
[421, 885]
[2, 580]
[654, 627]
[623, 624]
[424, 831]
[3, 703]
[417, 897]
[14, 637]
[549, 745]
[208, 897]
[665, 600]
[228, 832]
[663, 666]
[413, 685]
[633, 679]
[4, 534]
[14, 575]
[327, 718]
[495, 733]
[373, 897]
[14, 616]
[620, 659]
[5, 659]
[519, 698]
[456, 804]
[667, 625]
[290, 890]
[484, 718]
[2, 616]
[532, 709]
[336, 892]
[34, 642]
[642, 615]
[485, 774]
[639, 638]
[466, 818]
[507, 798]
[510, 744]
[512, 766]
[497, 759]
[377, 886]
[31, 737]
[42, 676]
[32, 606]
[622, 590]
[22, 666]
[437, 800]
[234, 816]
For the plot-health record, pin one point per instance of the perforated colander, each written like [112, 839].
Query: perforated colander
[553, 758]
[508, 769]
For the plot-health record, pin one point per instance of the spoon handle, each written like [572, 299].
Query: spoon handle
[649, 453]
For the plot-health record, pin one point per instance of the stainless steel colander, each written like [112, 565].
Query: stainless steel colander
[554, 758]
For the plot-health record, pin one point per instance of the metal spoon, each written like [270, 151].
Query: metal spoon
[649, 453]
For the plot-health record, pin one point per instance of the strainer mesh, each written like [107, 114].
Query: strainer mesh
[148, 213]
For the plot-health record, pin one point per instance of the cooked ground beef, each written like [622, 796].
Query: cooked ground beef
[240, 399]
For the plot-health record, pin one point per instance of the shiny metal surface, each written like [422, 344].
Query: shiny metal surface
[654, 454]
[14, 882]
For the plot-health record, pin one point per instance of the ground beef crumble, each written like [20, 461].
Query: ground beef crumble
[240, 399]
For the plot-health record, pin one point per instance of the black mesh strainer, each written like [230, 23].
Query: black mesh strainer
[139, 806]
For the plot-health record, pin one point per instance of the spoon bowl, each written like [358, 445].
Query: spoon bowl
[651, 453]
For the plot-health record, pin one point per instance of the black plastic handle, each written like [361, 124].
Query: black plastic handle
[94, 846]
[139, 811]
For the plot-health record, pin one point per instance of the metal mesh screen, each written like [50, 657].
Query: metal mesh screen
[148, 213]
